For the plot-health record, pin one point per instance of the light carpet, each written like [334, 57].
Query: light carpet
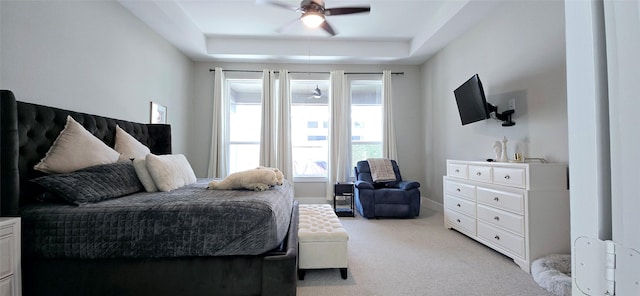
[418, 257]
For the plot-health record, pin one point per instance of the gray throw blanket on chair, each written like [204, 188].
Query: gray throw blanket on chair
[381, 170]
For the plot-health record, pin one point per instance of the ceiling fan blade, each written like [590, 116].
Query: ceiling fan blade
[346, 10]
[325, 25]
[279, 4]
[287, 26]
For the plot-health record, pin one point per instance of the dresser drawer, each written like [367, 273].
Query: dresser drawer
[464, 206]
[457, 170]
[509, 201]
[461, 222]
[461, 190]
[501, 238]
[480, 173]
[502, 219]
[7, 286]
[6, 230]
[6, 255]
[509, 176]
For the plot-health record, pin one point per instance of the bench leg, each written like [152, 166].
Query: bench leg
[343, 273]
[301, 274]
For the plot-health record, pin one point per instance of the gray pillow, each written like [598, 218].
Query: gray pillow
[93, 184]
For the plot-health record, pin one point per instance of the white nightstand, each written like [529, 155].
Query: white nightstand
[10, 266]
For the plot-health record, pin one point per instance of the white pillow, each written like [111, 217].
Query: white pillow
[74, 149]
[140, 165]
[170, 171]
[128, 146]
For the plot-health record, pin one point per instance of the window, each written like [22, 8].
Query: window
[309, 125]
[366, 119]
[245, 116]
[309, 122]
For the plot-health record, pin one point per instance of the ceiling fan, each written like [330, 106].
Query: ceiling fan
[313, 13]
[317, 93]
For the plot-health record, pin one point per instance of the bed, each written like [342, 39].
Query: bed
[143, 243]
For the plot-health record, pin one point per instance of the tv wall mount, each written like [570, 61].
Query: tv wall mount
[505, 116]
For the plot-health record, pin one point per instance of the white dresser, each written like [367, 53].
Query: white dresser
[519, 209]
[10, 270]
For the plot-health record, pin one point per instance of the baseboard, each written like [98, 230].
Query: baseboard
[434, 205]
[312, 200]
[431, 204]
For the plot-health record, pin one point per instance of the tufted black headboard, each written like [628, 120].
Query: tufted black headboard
[28, 130]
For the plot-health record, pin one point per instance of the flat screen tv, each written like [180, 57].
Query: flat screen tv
[472, 103]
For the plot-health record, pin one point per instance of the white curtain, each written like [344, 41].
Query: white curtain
[339, 132]
[268, 133]
[389, 149]
[218, 155]
[284, 160]
[275, 137]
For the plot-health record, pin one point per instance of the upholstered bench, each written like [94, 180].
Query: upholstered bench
[322, 240]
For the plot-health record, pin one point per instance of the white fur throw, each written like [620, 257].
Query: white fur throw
[553, 273]
[279, 174]
[256, 179]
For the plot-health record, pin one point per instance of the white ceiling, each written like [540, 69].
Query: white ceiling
[394, 32]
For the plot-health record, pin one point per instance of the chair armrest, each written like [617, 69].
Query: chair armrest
[407, 185]
[363, 185]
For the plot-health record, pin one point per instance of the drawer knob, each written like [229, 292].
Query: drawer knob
[458, 220]
[457, 170]
[458, 189]
[497, 237]
[496, 218]
[496, 198]
[507, 177]
[458, 205]
[478, 174]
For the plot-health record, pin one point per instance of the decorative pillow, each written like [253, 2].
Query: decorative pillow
[74, 149]
[93, 184]
[170, 171]
[128, 146]
[140, 164]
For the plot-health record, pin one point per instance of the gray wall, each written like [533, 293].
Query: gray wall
[93, 57]
[519, 52]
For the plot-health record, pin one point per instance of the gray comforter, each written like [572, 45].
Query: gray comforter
[189, 221]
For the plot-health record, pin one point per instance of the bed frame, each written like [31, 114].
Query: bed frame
[26, 133]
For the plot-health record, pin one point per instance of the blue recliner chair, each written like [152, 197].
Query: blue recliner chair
[385, 199]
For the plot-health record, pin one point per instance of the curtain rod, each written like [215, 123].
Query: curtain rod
[310, 72]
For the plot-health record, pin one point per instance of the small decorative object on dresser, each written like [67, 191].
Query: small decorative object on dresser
[505, 155]
[497, 150]
[518, 209]
[10, 265]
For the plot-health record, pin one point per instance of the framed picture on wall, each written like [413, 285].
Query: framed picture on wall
[158, 113]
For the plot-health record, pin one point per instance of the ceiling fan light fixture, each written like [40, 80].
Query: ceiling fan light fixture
[312, 19]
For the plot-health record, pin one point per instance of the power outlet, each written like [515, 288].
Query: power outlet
[512, 104]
